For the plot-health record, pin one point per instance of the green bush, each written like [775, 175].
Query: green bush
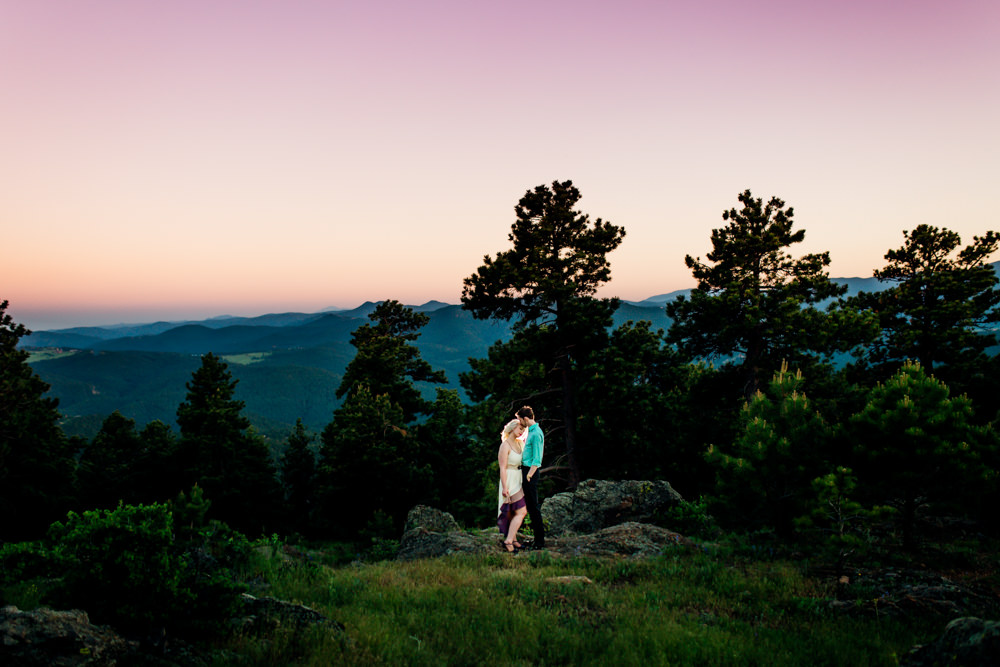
[689, 518]
[24, 560]
[125, 568]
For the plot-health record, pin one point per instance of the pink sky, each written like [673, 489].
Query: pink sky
[187, 159]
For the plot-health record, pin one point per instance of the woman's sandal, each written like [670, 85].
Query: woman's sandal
[509, 546]
[517, 545]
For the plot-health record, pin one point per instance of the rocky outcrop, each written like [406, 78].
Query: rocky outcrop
[429, 533]
[48, 638]
[598, 504]
[906, 592]
[966, 642]
[600, 518]
[631, 540]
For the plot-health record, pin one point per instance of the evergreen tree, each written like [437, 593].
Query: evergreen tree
[837, 523]
[387, 362]
[636, 420]
[767, 477]
[546, 281]
[219, 452]
[36, 464]
[457, 461]
[939, 306]
[916, 442]
[755, 305]
[298, 477]
[367, 465]
[157, 469]
[107, 471]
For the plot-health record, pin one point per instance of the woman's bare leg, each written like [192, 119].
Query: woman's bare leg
[515, 525]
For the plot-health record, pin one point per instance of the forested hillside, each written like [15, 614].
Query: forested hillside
[288, 365]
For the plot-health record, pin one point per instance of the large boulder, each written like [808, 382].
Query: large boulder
[966, 642]
[597, 504]
[430, 532]
[629, 540]
[48, 638]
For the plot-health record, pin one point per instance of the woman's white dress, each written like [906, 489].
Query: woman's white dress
[513, 472]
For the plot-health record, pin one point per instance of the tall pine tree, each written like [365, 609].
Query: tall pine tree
[755, 305]
[387, 361]
[546, 283]
[36, 464]
[940, 305]
[916, 442]
[219, 452]
[298, 478]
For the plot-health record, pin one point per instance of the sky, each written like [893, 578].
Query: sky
[194, 158]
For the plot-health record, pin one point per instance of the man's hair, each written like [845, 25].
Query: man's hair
[526, 412]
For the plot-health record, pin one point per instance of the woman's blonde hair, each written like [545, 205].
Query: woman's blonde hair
[509, 428]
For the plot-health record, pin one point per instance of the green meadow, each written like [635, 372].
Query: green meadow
[689, 607]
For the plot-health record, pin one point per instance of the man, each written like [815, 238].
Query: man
[531, 461]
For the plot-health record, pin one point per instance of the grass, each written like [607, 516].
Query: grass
[49, 354]
[684, 608]
[245, 359]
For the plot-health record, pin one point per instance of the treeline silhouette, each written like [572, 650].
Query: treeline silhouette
[739, 403]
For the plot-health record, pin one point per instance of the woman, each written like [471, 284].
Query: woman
[513, 507]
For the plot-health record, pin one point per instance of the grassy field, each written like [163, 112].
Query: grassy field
[245, 359]
[690, 607]
[49, 354]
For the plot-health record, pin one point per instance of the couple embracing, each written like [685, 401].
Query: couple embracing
[520, 456]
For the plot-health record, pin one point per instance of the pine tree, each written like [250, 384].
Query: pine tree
[634, 393]
[368, 464]
[916, 441]
[546, 284]
[298, 478]
[108, 466]
[456, 460]
[157, 469]
[755, 305]
[939, 306]
[219, 452]
[767, 476]
[387, 362]
[36, 464]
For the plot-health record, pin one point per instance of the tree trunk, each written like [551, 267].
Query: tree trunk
[569, 419]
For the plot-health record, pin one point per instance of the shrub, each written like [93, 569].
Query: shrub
[125, 568]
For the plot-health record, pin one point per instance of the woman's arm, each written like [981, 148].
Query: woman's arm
[502, 460]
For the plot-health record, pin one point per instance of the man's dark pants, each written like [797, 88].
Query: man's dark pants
[531, 500]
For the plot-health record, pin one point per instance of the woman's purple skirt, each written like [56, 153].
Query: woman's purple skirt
[507, 511]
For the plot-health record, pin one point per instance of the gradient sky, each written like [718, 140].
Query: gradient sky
[191, 158]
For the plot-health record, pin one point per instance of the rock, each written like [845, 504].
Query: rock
[966, 641]
[600, 518]
[429, 533]
[631, 540]
[569, 579]
[598, 504]
[268, 613]
[428, 519]
[50, 638]
[907, 592]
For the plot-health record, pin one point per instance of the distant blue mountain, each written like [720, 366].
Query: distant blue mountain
[141, 369]
[227, 334]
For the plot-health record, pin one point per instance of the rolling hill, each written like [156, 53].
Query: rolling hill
[288, 365]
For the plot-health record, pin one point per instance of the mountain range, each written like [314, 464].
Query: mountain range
[288, 365]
